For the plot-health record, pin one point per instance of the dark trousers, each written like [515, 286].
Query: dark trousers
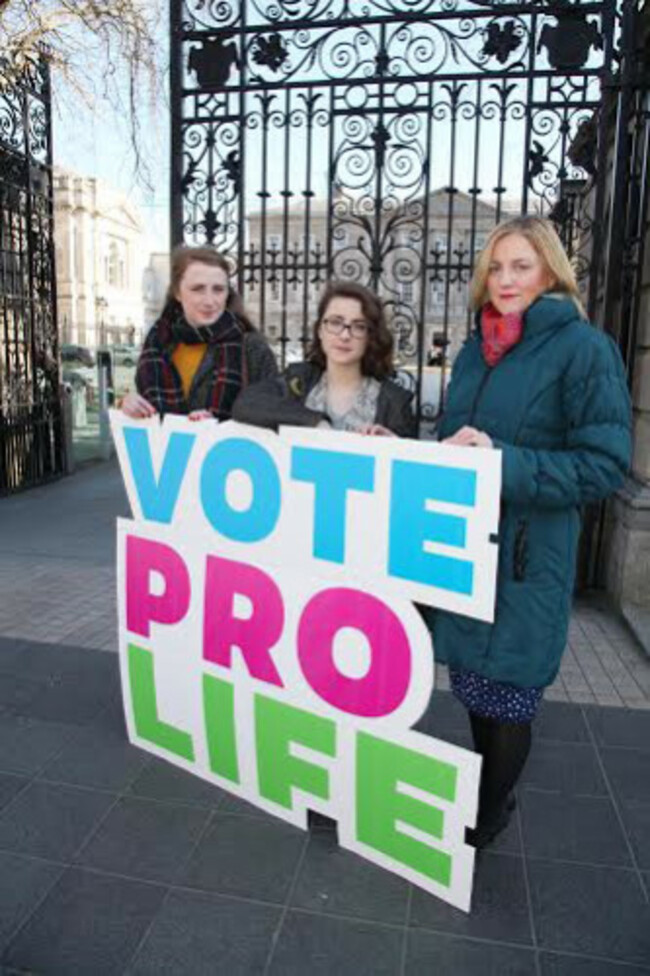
[504, 747]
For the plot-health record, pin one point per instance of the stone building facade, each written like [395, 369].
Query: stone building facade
[100, 250]
[293, 267]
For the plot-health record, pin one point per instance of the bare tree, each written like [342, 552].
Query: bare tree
[77, 36]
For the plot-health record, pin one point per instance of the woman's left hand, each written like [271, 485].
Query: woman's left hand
[469, 437]
[376, 430]
[200, 415]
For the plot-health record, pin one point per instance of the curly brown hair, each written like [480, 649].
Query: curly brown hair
[378, 358]
[184, 255]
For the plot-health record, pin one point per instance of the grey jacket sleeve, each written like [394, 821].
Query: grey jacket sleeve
[395, 410]
[271, 403]
[260, 360]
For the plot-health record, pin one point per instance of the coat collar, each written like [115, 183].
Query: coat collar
[552, 310]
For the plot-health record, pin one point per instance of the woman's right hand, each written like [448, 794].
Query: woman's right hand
[136, 407]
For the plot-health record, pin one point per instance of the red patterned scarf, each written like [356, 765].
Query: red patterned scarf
[500, 332]
[219, 378]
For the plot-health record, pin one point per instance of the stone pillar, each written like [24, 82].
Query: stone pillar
[627, 539]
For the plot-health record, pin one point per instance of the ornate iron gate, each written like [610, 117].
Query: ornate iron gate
[382, 140]
[31, 441]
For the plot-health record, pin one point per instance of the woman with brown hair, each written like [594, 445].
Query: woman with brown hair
[546, 388]
[203, 349]
[345, 381]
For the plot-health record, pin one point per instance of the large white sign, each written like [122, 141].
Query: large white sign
[268, 640]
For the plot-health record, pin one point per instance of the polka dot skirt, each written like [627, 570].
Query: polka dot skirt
[492, 699]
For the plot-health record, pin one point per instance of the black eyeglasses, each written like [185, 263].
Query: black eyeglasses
[336, 327]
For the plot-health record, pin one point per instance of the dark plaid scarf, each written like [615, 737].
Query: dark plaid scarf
[221, 373]
[499, 333]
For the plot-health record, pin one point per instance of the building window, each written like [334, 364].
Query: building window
[406, 289]
[437, 294]
[115, 265]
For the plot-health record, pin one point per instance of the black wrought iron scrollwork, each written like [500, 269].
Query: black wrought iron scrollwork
[269, 50]
[380, 140]
[31, 437]
[501, 40]
[213, 61]
[569, 41]
[537, 160]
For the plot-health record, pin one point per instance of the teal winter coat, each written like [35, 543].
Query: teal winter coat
[558, 408]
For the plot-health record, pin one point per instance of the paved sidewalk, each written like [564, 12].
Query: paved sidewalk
[57, 553]
[112, 861]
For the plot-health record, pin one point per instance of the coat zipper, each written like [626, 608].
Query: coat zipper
[520, 555]
[521, 533]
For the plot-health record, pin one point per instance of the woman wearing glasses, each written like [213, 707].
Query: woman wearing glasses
[344, 383]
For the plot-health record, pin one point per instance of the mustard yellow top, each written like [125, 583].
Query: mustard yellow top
[187, 359]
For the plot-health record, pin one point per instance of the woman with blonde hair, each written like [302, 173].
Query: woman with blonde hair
[203, 350]
[546, 388]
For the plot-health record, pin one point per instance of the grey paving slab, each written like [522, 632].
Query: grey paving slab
[334, 881]
[95, 758]
[17, 693]
[86, 506]
[205, 934]
[628, 771]
[24, 881]
[235, 805]
[110, 719]
[26, 744]
[554, 964]
[572, 828]
[560, 722]
[429, 952]
[51, 821]
[247, 857]
[500, 909]
[595, 911]
[509, 840]
[144, 839]
[162, 781]
[636, 821]
[88, 923]
[612, 727]
[10, 785]
[328, 945]
[566, 767]
[47, 662]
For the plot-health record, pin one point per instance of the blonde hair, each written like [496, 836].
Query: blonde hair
[542, 236]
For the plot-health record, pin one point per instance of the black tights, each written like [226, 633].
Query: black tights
[504, 747]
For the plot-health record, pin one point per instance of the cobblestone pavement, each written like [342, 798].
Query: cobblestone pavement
[58, 586]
